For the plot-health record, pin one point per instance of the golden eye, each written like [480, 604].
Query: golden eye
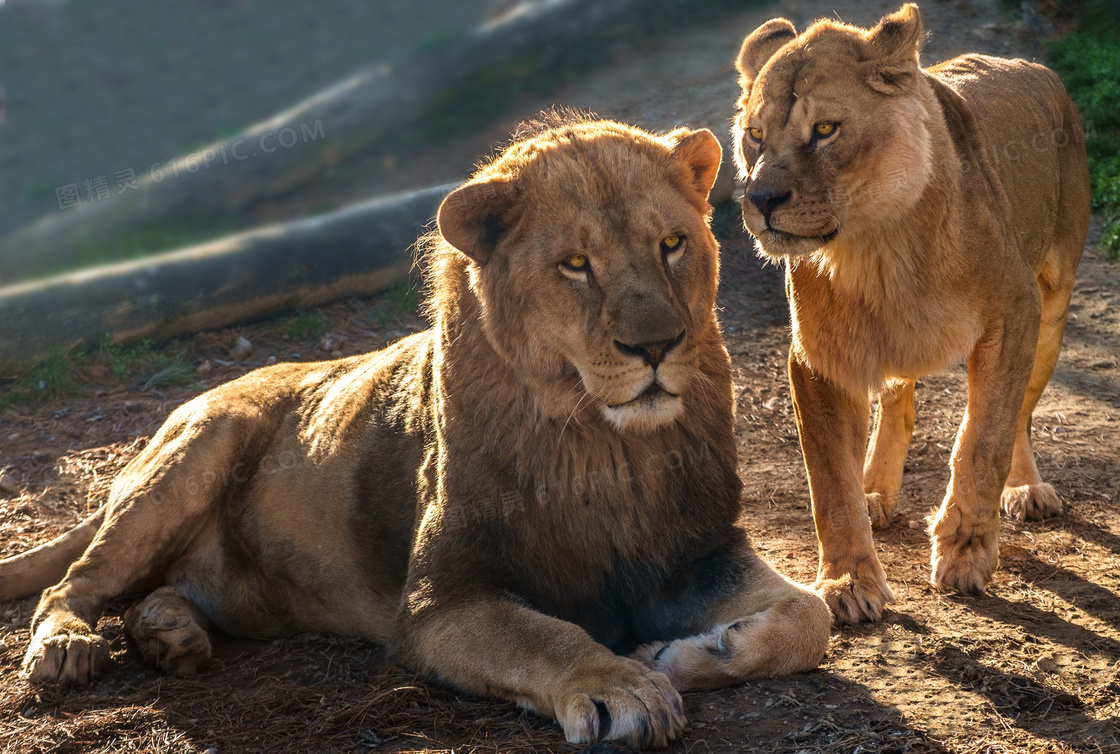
[824, 129]
[671, 243]
[577, 262]
[755, 133]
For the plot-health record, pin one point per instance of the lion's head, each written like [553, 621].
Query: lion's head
[588, 250]
[831, 134]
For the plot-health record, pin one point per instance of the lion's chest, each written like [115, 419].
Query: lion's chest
[860, 343]
[595, 543]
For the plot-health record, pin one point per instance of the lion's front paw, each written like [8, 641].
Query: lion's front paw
[858, 594]
[65, 658]
[1031, 502]
[621, 700]
[878, 510]
[964, 557]
[659, 656]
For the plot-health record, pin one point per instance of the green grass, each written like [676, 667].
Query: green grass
[143, 364]
[119, 358]
[403, 298]
[1089, 64]
[177, 372]
[306, 326]
[53, 377]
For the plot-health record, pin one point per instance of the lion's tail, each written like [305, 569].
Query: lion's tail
[35, 570]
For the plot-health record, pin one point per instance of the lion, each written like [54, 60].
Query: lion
[924, 217]
[514, 499]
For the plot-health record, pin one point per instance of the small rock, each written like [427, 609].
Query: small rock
[7, 484]
[270, 360]
[241, 348]
[205, 368]
[332, 341]
[913, 524]
[1047, 664]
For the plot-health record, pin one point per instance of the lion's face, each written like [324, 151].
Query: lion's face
[595, 266]
[831, 137]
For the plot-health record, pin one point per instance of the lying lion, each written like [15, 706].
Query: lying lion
[925, 217]
[545, 476]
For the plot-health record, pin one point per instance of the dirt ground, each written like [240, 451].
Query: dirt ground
[1032, 667]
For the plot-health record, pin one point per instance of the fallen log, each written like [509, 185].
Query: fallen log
[359, 250]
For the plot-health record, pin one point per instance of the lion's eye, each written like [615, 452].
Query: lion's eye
[577, 262]
[672, 244]
[755, 133]
[824, 129]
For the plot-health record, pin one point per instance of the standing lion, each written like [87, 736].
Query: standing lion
[925, 216]
[544, 478]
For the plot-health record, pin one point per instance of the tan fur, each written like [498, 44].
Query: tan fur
[941, 220]
[508, 497]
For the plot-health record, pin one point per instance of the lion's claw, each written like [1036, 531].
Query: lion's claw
[856, 598]
[877, 510]
[65, 659]
[1031, 502]
[626, 702]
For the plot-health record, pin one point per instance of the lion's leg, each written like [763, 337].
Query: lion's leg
[966, 528]
[886, 456]
[170, 631]
[1025, 495]
[769, 626]
[157, 507]
[494, 646]
[832, 425]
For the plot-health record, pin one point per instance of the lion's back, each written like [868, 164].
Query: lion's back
[1030, 134]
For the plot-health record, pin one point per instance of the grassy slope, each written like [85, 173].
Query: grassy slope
[1089, 63]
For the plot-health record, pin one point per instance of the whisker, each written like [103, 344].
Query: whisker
[579, 404]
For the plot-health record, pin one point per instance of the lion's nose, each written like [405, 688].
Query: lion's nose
[767, 198]
[653, 352]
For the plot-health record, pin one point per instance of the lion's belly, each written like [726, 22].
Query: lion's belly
[316, 550]
[301, 591]
[310, 552]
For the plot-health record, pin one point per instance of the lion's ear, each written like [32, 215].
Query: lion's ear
[894, 45]
[474, 216]
[700, 150]
[761, 45]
